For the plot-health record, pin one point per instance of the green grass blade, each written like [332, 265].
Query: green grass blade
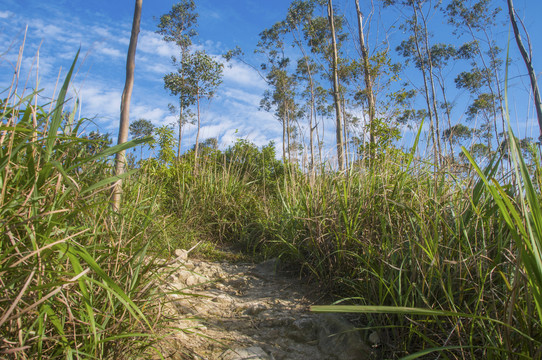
[56, 117]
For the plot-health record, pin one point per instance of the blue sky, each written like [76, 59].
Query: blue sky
[102, 30]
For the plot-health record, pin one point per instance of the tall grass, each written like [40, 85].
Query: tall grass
[479, 294]
[74, 282]
[461, 277]
[439, 264]
[428, 258]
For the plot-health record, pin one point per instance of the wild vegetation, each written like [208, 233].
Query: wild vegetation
[439, 254]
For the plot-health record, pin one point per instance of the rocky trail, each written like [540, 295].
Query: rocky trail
[246, 311]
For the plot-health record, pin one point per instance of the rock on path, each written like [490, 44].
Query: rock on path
[244, 311]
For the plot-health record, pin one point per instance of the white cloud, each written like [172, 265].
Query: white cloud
[232, 115]
[47, 31]
[215, 130]
[243, 75]
[101, 101]
[152, 44]
[102, 32]
[110, 52]
[5, 14]
[245, 97]
[154, 114]
[155, 67]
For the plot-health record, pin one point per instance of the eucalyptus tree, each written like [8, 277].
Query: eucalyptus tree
[324, 36]
[299, 15]
[281, 97]
[120, 157]
[203, 77]
[457, 135]
[179, 27]
[336, 90]
[528, 59]
[476, 19]
[368, 93]
[178, 83]
[141, 128]
[417, 48]
[441, 54]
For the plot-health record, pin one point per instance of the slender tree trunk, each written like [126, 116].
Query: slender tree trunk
[500, 104]
[449, 118]
[431, 82]
[495, 95]
[312, 128]
[120, 158]
[426, 87]
[197, 133]
[288, 135]
[284, 139]
[346, 132]
[527, 58]
[312, 114]
[336, 96]
[318, 139]
[184, 51]
[181, 108]
[371, 102]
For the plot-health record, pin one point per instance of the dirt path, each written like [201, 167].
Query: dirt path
[245, 311]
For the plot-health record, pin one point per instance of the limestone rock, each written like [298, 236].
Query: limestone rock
[303, 330]
[252, 353]
[338, 337]
[254, 309]
[181, 254]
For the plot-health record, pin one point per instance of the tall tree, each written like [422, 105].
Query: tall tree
[299, 15]
[528, 59]
[178, 26]
[178, 83]
[417, 49]
[120, 158]
[336, 91]
[281, 97]
[477, 18]
[441, 54]
[369, 92]
[319, 36]
[141, 128]
[204, 75]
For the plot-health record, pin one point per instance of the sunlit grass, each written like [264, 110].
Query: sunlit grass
[427, 257]
[438, 263]
[75, 279]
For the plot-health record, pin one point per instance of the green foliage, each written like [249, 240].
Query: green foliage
[166, 140]
[178, 26]
[396, 238]
[141, 128]
[471, 81]
[178, 85]
[73, 285]
[475, 14]
[203, 74]
[96, 142]
[253, 164]
[484, 103]
[386, 136]
[457, 133]
[210, 144]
